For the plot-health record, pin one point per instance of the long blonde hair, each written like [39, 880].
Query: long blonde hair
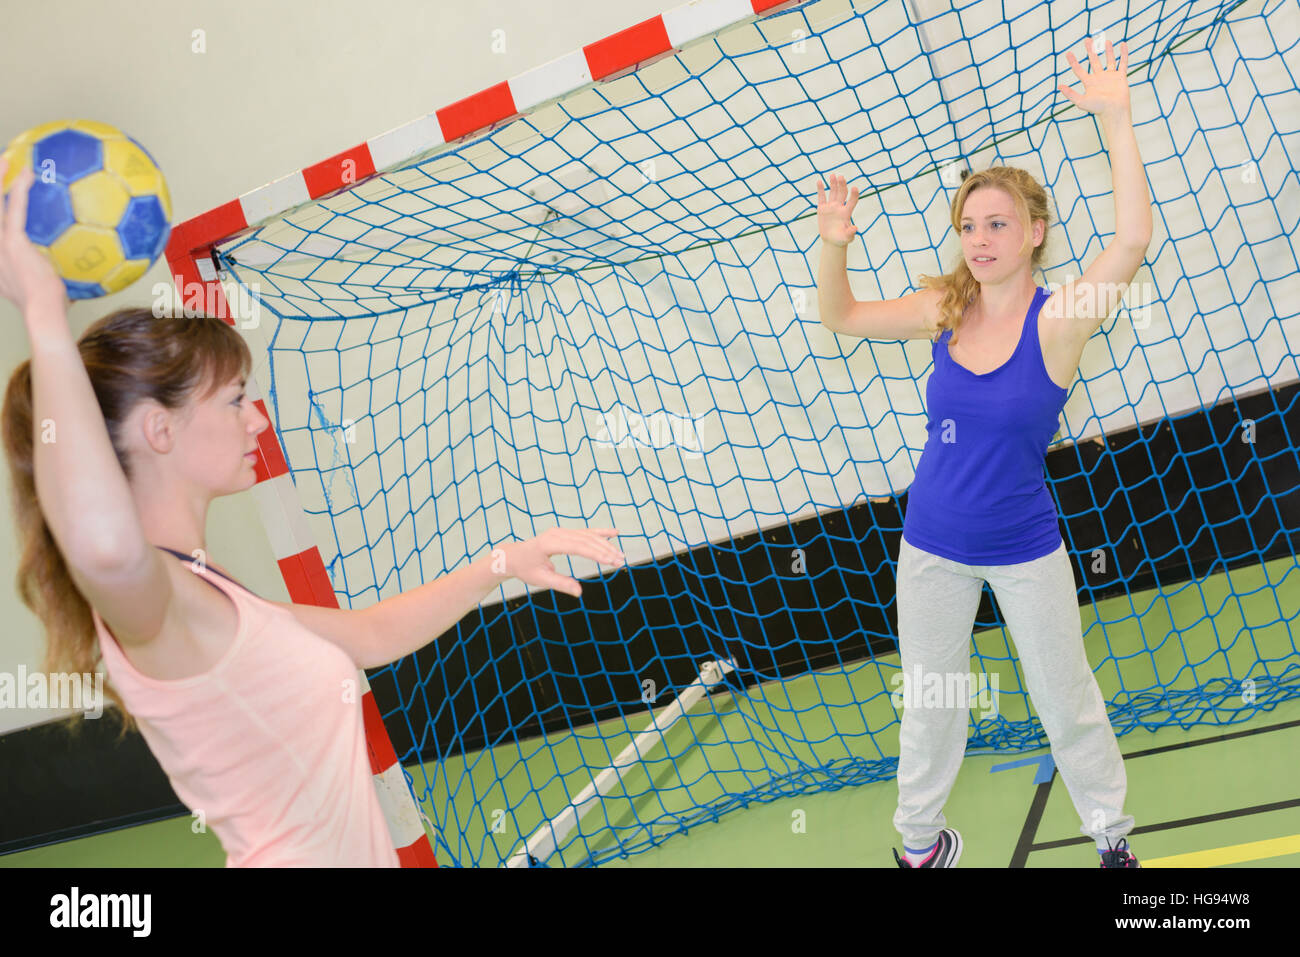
[129, 356]
[960, 288]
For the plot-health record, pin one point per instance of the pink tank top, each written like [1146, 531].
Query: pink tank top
[268, 744]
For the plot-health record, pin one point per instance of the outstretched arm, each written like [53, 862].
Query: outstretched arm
[1106, 94]
[402, 624]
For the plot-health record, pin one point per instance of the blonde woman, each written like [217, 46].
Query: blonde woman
[117, 443]
[1005, 352]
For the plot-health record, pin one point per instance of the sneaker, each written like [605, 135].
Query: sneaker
[1118, 856]
[945, 853]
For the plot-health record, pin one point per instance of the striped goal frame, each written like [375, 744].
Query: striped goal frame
[199, 285]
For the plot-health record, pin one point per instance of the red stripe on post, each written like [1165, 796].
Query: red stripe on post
[216, 225]
[206, 296]
[296, 579]
[184, 273]
[477, 112]
[341, 171]
[319, 579]
[417, 854]
[625, 49]
[305, 577]
[270, 458]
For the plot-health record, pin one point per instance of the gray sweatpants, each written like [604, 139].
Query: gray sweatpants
[937, 602]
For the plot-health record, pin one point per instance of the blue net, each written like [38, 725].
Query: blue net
[604, 314]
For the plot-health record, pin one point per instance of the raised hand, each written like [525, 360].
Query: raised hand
[25, 273]
[833, 211]
[1105, 89]
[530, 562]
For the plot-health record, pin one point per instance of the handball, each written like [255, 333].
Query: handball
[99, 207]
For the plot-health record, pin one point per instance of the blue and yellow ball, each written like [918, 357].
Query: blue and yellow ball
[99, 208]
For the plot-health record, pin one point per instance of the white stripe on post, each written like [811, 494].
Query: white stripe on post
[405, 142]
[283, 517]
[550, 81]
[275, 197]
[692, 21]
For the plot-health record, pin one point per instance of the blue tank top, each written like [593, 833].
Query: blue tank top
[979, 495]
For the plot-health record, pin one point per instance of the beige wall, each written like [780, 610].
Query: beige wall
[280, 85]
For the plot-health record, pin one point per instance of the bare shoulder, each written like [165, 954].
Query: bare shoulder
[925, 304]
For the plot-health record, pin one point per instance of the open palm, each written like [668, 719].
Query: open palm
[1105, 89]
[530, 561]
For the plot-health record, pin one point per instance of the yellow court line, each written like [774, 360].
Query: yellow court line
[1232, 854]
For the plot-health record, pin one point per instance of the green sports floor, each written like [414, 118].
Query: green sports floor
[1213, 795]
